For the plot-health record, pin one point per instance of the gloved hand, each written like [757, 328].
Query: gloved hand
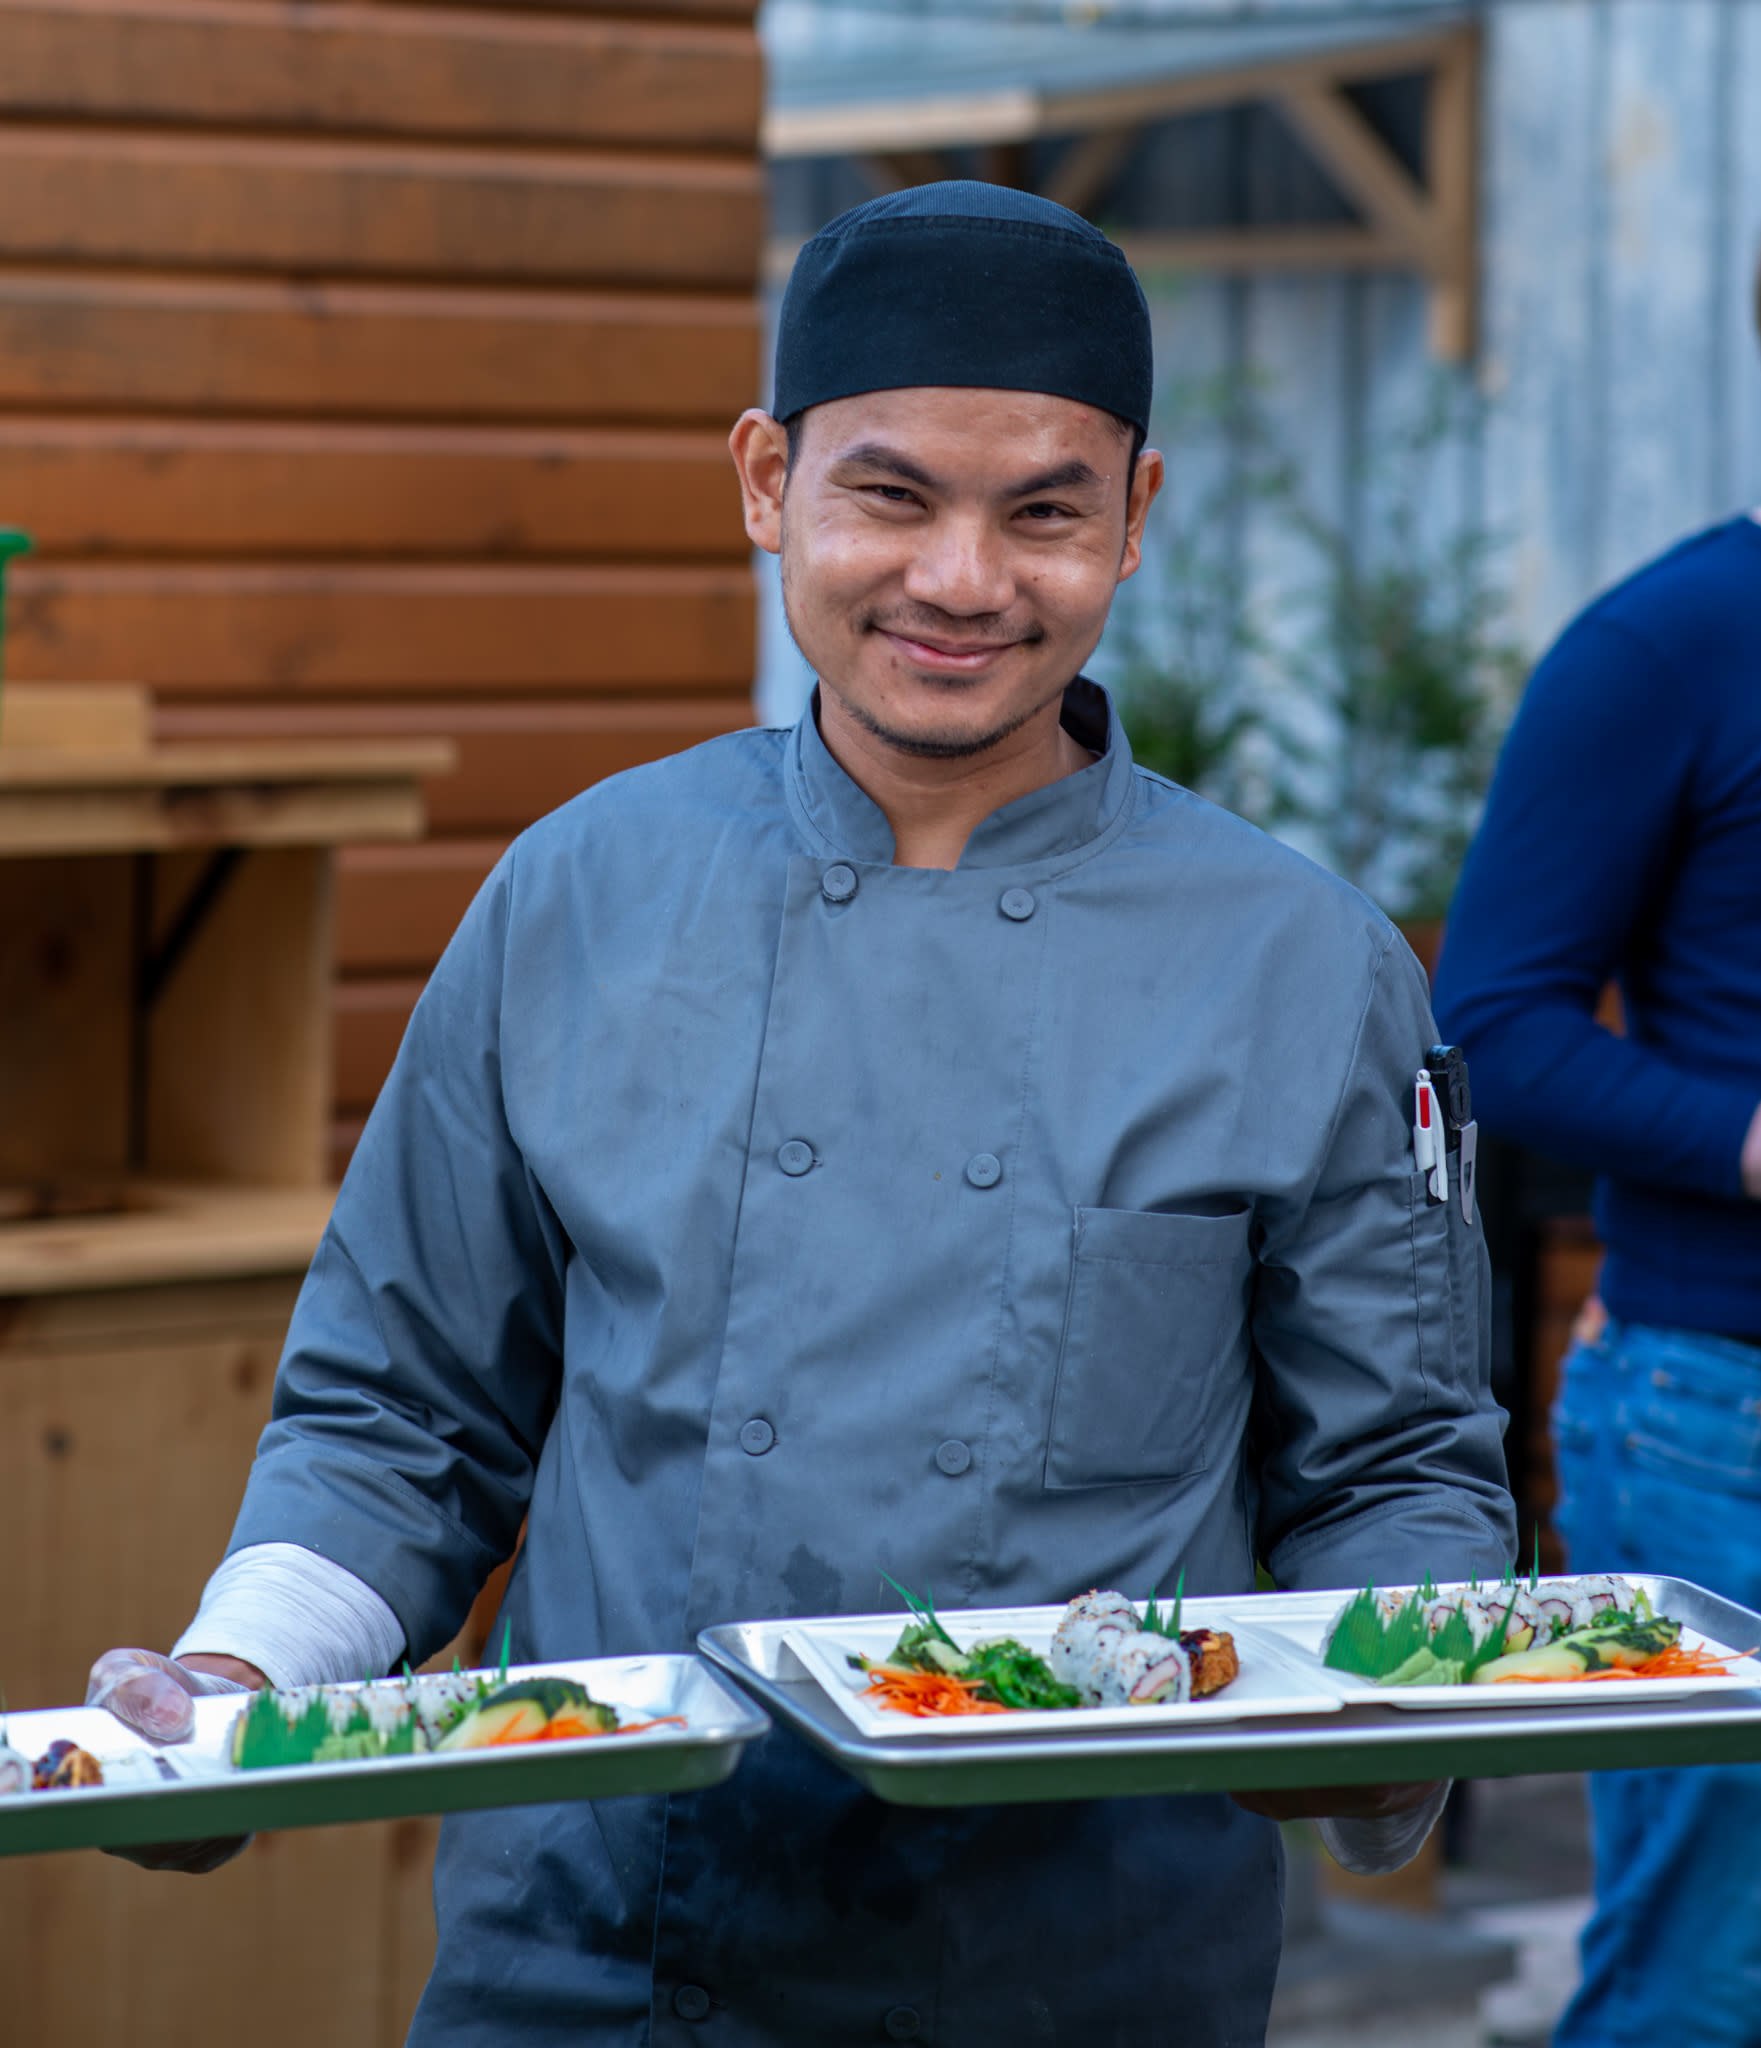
[151, 1694]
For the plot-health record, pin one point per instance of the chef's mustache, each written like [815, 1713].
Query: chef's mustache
[981, 629]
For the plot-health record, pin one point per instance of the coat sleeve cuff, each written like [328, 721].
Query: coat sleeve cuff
[299, 1618]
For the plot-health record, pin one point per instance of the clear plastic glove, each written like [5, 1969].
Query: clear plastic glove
[152, 1695]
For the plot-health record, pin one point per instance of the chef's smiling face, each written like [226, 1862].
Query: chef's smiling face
[948, 555]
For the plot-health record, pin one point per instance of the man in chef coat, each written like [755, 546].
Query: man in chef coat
[921, 1141]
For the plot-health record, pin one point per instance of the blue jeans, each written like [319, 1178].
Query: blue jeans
[1659, 1444]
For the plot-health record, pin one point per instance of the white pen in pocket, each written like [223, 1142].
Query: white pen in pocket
[1429, 1146]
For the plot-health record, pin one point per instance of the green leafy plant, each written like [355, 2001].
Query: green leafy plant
[1356, 709]
[1185, 637]
[1405, 654]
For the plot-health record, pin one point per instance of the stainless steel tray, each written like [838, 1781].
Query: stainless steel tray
[187, 1792]
[1368, 1743]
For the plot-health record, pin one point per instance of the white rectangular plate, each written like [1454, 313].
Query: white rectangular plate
[1274, 1679]
[189, 1791]
[1305, 1636]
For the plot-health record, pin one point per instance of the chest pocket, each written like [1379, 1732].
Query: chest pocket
[1156, 1303]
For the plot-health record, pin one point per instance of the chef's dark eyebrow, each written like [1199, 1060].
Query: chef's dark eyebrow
[1075, 475]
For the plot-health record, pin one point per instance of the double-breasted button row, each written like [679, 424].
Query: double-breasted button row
[839, 883]
[795, 1157]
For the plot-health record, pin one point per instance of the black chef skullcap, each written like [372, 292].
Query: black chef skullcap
[964, 283]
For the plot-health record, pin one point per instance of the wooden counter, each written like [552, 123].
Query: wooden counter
[166, 948]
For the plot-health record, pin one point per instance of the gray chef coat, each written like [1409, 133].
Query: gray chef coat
[750, 1215]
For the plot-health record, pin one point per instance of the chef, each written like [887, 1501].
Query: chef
[919, 1141]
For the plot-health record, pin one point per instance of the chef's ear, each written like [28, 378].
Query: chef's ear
[1146, 484]
[760, 448]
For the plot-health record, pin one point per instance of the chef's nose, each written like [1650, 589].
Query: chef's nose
[960, 566]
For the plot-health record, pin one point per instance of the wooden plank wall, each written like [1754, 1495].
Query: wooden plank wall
[365, 368]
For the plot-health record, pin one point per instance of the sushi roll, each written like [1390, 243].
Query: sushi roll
[1080, 1640]
[1143, 1670]
[1115, 1608]
[1485, 1610]
[441, 1701]
[1553, 1603]
[1440, 1608]
[1597, 1594]
[1076, 1650]
[1387, 1606]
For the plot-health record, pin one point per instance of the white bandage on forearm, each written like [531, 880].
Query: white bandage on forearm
[1372, 1848]
[299, 1618]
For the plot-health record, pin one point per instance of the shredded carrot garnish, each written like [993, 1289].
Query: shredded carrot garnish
[569, 1728]
[1674, 1662]
[926, 1693]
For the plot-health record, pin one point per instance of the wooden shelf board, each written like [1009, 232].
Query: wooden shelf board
[169, 1232]
[134, 816]
[195, 764]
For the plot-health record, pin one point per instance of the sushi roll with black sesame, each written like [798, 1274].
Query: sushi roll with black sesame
[1080, 1640]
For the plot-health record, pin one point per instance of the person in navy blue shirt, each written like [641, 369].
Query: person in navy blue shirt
[1622, 842]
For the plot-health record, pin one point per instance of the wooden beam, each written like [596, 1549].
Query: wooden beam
[1019, 114]
[1452, 168]
[884, 127]
[1366, 169]
[1249, 251]
[1196, 93]
[1087, 169]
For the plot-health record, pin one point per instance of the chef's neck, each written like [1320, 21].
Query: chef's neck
[934, 803]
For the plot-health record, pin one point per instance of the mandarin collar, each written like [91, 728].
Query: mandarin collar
[1065, 817]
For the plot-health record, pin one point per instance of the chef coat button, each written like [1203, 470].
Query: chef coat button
[1017, 904]
[795, 1158]
[953, 1457]
[984, 1169]
[838, 883]
[691, 2002]
[903, 2023]
[756, 1436]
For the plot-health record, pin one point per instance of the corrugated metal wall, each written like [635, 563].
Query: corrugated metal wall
[1616, 400]
[367, 369]
[1618, 387]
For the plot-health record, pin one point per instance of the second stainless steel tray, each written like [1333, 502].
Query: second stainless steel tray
[1366, 1744]
[186, 1792]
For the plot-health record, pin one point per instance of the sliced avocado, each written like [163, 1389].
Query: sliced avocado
[521, 1712]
